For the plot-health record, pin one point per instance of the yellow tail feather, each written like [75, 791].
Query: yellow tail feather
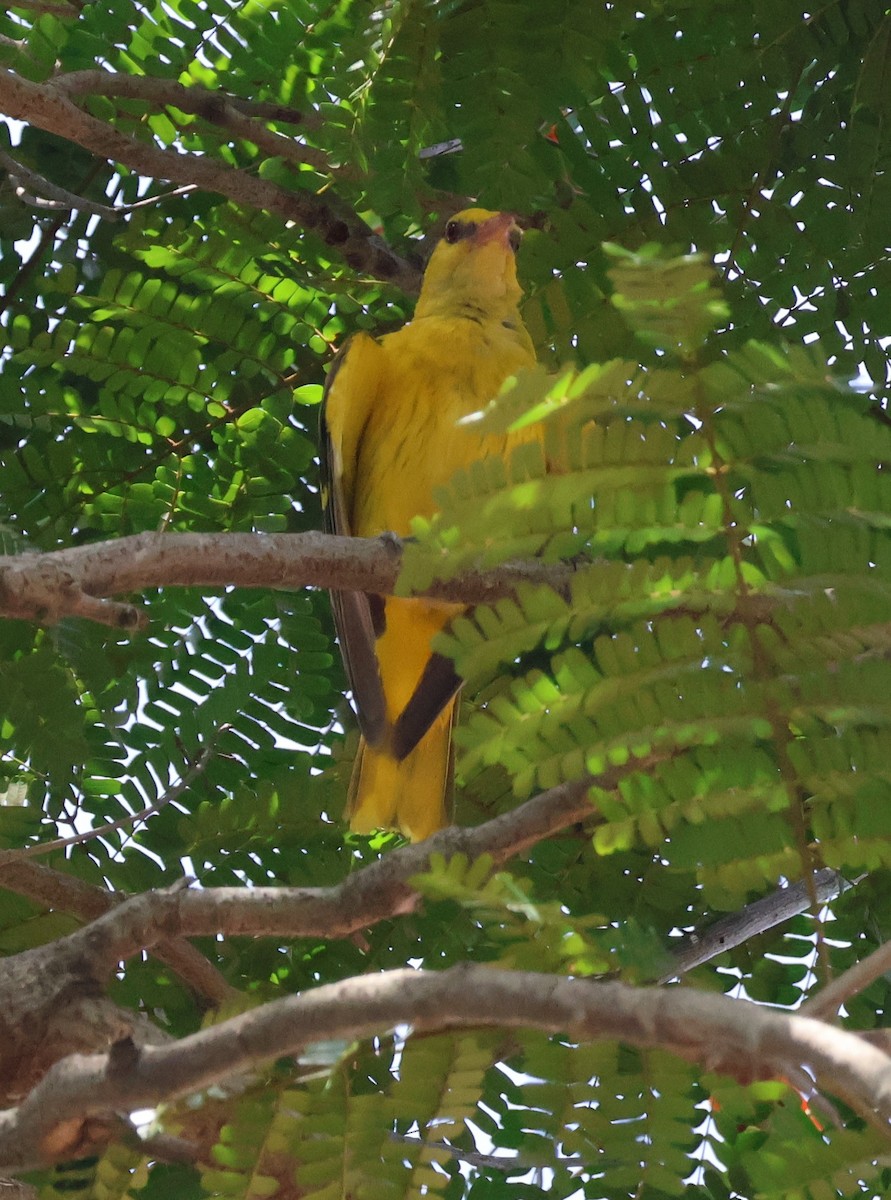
[413, 794]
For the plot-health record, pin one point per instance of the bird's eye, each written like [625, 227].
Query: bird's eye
[458, 231]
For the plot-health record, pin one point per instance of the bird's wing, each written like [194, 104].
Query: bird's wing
[437, 687]
[350, 392]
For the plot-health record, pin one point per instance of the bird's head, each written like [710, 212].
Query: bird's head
[473, 266]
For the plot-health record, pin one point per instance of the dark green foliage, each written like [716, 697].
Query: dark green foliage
[709, 186]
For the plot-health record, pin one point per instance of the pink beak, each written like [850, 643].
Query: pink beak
[502, 226]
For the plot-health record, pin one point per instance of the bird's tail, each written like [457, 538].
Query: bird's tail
[413, 794]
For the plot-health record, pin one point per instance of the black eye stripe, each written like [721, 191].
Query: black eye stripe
[456, 231]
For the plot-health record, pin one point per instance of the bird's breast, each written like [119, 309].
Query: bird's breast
[437, 371]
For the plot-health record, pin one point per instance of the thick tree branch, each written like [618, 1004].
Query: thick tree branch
[66, 1115]
[377, 892]
[49, 107]
[160, 921]
[383, 889]
[41, 1023]
[75, 581]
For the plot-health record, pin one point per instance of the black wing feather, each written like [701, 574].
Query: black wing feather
[353, 611]
[435, 689]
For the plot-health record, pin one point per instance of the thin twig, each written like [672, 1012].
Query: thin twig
[47, 239]
[509, 1164]
[49, 196]
[187, 779]
[164, 1147]
[825, 1004]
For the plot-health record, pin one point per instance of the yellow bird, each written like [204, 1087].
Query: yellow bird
[391, 430]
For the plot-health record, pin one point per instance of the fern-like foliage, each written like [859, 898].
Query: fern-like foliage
[726, 626]
[120, 1174]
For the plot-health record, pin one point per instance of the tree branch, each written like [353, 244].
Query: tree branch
[48, 196]
[824, 1005]
[44, 6]
[49, 107]
[510, 1164]
[192, 99]
[66, 1114]
[755, 918]
[160, 921]
[65, 893]
[76, 581]
[376, 892]
[241, 118]
[383, 890]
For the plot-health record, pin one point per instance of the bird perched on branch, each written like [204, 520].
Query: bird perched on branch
[391, 430]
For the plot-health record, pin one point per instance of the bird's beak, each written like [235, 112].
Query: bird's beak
[502, 227]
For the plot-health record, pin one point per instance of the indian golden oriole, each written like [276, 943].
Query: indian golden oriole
[391, 435]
